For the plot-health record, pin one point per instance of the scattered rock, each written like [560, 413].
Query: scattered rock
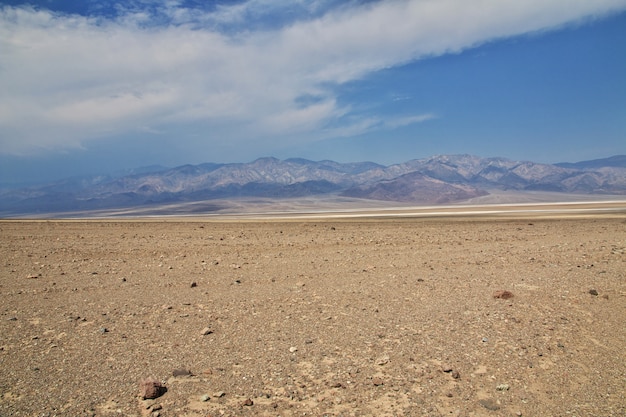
[219, 394]
[193, 284]
[182, 372]
[206, 331]
[503, 294]
[489, 404]
[593, 292]
[383, 360]
[151, 388]
[248, 403]
[205, 398]
[503, 387]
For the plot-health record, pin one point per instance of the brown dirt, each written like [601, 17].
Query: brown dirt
[384, 317]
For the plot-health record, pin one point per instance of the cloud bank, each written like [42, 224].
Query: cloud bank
[251, 73]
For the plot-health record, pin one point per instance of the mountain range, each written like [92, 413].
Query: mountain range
[439, 179]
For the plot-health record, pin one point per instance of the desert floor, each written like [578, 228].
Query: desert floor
[338, 317]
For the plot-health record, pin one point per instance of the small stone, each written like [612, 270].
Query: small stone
[489, 404]
[205, 398]
[193, 284]
[151, 388]
[293, 349]
[181, 372]
[248, 403]
[503, 387]
[455, 374]
[503, 294]
[104, 330]
[219, 394]
[377, 381]
[593, 292]
[206, 331]
[449, 395]
[485, 339]
[383, 360]
[446, 368]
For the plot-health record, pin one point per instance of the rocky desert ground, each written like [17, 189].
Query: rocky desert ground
[460, 316]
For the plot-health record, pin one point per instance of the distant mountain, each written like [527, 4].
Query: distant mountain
[617, 161]
[435, 180]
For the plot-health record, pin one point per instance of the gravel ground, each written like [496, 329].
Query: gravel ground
[387, 317]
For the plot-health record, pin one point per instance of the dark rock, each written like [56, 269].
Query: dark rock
[503, 294]
[248, 403]
[593, 292]
[151, 388]
[194, 284]
[182, 372]
[489, 404]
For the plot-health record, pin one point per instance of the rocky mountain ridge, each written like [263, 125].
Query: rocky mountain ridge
[436, 180]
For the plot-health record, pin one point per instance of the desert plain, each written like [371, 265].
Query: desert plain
[493, 315]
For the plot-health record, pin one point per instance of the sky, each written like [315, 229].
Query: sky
[98, 86]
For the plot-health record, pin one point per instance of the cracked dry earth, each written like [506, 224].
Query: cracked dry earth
[391, 317]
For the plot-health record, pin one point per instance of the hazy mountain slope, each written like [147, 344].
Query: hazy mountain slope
[435, 180]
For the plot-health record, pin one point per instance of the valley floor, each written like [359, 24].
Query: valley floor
[380, 316]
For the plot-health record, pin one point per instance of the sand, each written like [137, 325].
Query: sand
[317, 317]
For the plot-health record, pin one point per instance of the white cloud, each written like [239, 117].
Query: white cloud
[66, 79]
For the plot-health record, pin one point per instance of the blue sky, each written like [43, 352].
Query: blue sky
[96, 86]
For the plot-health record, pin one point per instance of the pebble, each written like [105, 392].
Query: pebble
[377, 381]
[248, 403]
[205, 398]
[193, 284]
[489, 404]
[456, 374]
[503, 294]
[181, 372]
[503, 387]
[293, 349]
[219, 394]
[206, 331]
[593, 292]
[150, 388]
[104, 330]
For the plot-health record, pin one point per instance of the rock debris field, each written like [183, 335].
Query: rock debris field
[327, 317]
